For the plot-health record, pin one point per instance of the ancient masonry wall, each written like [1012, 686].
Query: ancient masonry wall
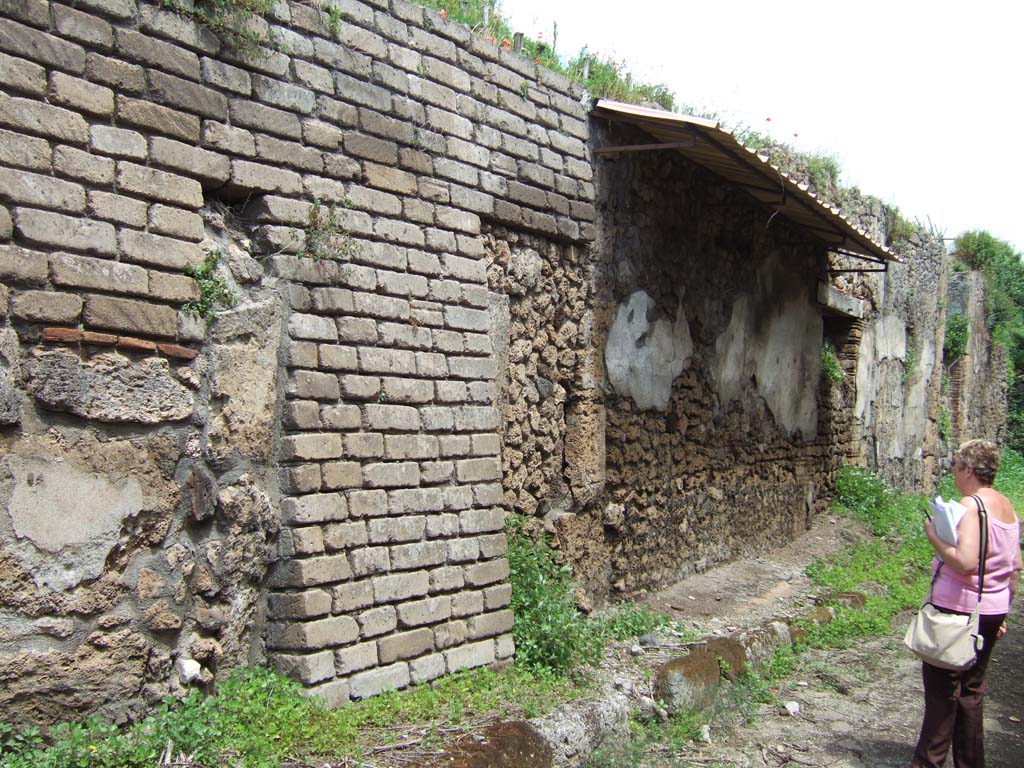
[739, 456]
[978, 381]
[313, 479]
[896, 385]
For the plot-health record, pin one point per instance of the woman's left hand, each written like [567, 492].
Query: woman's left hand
[1002, 630]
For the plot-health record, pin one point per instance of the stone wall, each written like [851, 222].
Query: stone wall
[979, 380]
[446, 311]
[313, 479]
[677, 385]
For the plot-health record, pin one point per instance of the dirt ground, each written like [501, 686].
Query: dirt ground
[859, 707]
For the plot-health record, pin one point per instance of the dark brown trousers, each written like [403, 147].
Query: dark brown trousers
[953, 709]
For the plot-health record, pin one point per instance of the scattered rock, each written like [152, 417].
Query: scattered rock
[689, 682]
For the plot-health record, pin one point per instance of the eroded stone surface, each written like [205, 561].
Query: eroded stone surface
[244, 380]
[689, 682]
[10, 399]
[109, 387]
[101, 675]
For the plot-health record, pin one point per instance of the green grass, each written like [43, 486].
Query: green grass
[892, 569]
[258, 718]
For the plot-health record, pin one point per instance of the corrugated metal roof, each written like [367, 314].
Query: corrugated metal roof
[707, 144]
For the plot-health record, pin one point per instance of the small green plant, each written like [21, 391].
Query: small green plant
[945, 423]
[214, 292]
[831, 368]
[823, 171]
[334, 19]
[230, 20]
[627, 623]
[326, 238]
[260, 719]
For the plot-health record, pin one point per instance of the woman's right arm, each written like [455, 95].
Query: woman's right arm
[963, 556]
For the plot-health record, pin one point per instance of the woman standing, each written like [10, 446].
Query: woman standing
[953, 699]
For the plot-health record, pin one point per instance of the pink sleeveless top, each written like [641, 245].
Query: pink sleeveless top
[960, 593]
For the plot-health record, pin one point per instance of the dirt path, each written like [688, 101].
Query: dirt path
[858, 707]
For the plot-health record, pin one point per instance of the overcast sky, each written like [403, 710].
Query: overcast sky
[922, 103]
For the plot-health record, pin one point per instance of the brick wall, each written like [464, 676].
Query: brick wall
[132, 142]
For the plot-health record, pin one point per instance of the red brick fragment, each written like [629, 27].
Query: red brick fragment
[66, 335]
[173, 350]
[131, 343]
[100, 339]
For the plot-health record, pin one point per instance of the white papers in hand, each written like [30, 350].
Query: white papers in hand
[947, 516]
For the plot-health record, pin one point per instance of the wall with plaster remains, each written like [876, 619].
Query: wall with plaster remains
[703, 366]
[978, 381]
[446, 311]
[313, 479]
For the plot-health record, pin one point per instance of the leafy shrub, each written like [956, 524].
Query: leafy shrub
[549, 631]
[957, 335]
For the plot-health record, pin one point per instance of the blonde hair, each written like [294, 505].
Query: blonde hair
[981, 456]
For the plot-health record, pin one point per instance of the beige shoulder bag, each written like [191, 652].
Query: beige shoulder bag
[951, 640]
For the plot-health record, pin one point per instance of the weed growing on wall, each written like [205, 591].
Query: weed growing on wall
[549, 631]
[602, 76]
[909, 358]
[230, 20]
[897, 228]
[831, 368]
[326, 238]
[214, 292]
[957, 335]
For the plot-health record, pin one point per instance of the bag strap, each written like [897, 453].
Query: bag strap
[982, 542]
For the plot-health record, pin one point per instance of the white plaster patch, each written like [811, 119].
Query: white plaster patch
[72, 516]
[644, 358]
[890, 338]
